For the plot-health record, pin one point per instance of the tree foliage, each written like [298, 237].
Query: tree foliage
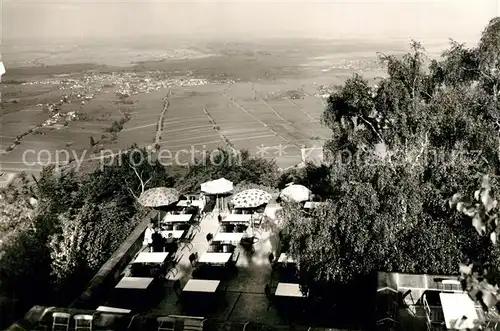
[78, 221]
[398, 150]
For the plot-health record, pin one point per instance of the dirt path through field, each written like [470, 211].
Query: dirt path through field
[217, 128]
[159, 127]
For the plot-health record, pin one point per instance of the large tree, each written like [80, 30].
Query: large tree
[399, 149]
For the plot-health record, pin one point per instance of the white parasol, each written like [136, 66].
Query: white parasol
[295, 192]
[218, 187]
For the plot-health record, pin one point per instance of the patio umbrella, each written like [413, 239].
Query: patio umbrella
[217, 187]
[295, 192]
[158, 197]
[251, 198]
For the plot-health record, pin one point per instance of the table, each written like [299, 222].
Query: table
[184, 203]
[181, 218]
[147, 257]
[228, 237]
[237, 218]
[284, 258]
[455, 307]
[141, 283]
[215, 257]
[313, 204]
[175, 233]
[107, 309]
[201, 285]
[289, 290]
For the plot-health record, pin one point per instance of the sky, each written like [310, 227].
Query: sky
[462, 20]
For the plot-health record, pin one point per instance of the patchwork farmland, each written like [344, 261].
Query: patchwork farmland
[198, 120]
[268, 103]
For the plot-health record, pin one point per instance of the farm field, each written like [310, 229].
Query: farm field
[60, 141]
[259, 117]
[267, 98]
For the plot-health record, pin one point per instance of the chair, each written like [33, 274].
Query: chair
[193, 324]
[166, 323]
[187, 241]
[172, 267]
[60, 321]
[177, 290]
[216, 246]
[209, 237]
[240, 228]
[228, 248]
[269, 295]
[193, 258]
[156, 272]
[195, 223]
[83, 322]
[257, 222]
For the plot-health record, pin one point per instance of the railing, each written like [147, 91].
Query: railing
[141, 322]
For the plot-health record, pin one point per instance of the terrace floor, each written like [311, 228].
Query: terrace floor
[245, 295]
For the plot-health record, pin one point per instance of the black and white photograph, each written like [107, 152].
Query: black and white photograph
[249, 165]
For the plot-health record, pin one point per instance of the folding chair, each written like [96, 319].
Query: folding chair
[187, 241]
[83, 322]
[60, 321]
[166, 323]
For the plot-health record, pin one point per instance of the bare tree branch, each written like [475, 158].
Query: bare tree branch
[138, 176]
[131, 191]
[146, 182]
[373, 129]
[424, 145]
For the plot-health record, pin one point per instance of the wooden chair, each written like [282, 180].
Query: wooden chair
[83, 322]
[60, 321]
[166, 323]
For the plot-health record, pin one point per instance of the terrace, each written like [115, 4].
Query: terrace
[213, 274]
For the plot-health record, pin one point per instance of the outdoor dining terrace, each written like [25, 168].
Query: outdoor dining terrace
[215, 273]
[227, 264]
[252, 289]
